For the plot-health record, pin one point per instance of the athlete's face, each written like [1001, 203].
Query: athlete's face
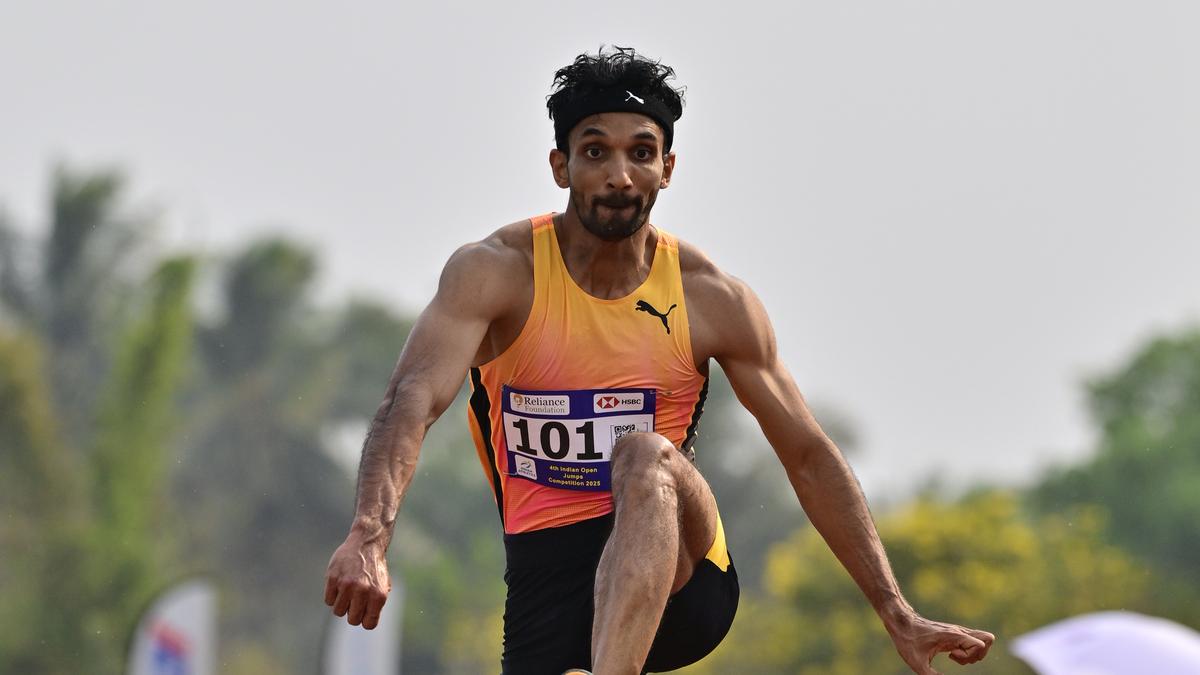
[614, 169]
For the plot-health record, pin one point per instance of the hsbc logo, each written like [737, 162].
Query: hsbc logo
[618, 402]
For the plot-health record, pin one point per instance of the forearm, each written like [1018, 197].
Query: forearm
[834, 502]
[389, 461]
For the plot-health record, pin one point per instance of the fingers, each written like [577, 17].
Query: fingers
[331, 590]
[358, 605]
[959, 641]
[977, 653]
[357, 583]
[374, 608]
[921, 641]
[965, 657]
[345, 595]
[983, 636]
[968, 648]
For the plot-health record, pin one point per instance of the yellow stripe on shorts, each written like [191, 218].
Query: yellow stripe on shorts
[719, 554]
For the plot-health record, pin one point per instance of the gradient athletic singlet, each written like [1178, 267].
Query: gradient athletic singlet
[583, 371]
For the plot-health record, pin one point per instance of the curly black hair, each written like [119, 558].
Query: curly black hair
[620, 68]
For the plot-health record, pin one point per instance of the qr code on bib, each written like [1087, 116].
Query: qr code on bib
[620, 430]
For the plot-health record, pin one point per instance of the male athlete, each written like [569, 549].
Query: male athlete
[587, 337]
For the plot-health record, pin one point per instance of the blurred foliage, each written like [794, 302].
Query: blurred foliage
[39, 500]
[254, 478]
[86, 536]
[979, 562]
[142, 440]
[1146, 471]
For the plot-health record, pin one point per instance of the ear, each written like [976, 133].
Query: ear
[668, 169]
[558, 166]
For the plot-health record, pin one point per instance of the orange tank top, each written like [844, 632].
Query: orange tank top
[582, 372]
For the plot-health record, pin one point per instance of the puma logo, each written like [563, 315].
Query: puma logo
[643, 306]
[639, 100]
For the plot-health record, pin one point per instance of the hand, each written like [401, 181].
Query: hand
[357, 582]
[918, 640]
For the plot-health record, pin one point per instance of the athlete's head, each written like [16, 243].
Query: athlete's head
[614, 117]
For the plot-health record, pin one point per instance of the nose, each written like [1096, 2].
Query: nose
[618, 174]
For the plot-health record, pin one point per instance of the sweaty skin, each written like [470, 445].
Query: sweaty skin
[483, 298]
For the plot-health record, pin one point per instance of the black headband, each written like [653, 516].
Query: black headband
[613, 100]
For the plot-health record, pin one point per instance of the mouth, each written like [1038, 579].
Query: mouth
[621, 207]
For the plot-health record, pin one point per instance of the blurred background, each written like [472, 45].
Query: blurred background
[974, 226]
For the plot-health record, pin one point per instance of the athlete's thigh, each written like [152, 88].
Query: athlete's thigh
[642, 456]
[697, 518]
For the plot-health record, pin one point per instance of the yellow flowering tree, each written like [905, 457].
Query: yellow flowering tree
[980, 562]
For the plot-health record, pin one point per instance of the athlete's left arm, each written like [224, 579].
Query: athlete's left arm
[743, 343]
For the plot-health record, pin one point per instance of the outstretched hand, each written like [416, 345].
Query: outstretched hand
[918, 640]
[357, 583]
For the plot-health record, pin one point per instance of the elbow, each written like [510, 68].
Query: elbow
[810, 463]
[384, 411]
[411, 398]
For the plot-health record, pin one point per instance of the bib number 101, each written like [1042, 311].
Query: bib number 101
[556, 440]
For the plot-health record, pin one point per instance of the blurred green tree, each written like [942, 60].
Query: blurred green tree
[90, 547]
[41, 498]
[85, 441]
[979, 562]
[262, 497]
[71, 288]
[1146, 469]
[132, 523]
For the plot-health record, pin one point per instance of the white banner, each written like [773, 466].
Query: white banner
[178, 634]
[1111, 643]
[354, 650]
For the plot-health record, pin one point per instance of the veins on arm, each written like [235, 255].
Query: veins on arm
[822, 479]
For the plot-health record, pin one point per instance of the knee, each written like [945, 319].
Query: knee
[642, 461]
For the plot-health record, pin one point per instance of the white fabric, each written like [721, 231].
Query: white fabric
[1111, 643]
[177, 635]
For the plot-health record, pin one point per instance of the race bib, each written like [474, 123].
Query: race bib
[564, 439]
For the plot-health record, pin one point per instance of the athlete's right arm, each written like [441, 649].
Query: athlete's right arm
[430, 371]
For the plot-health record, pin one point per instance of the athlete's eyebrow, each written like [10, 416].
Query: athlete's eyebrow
[592, 131]
[646, 136]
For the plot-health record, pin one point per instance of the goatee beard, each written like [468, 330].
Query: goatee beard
[614, 228]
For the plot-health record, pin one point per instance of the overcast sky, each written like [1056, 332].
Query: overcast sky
[954, 211]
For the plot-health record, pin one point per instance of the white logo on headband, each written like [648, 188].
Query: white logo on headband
[631, 95]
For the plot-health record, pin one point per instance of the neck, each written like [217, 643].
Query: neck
[605, 269]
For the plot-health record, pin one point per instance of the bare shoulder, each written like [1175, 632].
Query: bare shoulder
[507, 248]
[725, 314]
[709, 288]
[490, 271]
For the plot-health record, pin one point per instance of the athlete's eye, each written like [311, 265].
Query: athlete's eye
[643, 154]
[592, 152]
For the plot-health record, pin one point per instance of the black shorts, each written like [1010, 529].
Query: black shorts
[548, 613]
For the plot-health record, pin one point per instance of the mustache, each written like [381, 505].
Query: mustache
[617, 202]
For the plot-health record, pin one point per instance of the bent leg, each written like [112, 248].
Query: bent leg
[666, 520]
